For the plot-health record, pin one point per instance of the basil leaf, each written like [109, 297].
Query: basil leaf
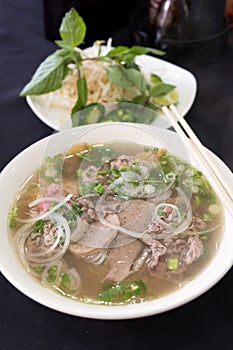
[155, 79]
[118, 75]
[126, 55]
[118, 50]
[138, 79]
[161, 90]
[49, 75]
[141, 50]
[72, 30]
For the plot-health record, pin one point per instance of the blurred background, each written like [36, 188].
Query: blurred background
[190, 31]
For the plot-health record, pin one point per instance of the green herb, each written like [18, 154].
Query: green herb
[72, 30]
[76, 209]
[206, 217]
[161, 90]
[155, 79]
[65, 277]
[38, 269]
[99, 188]
[49, 75]
[79, 172]
[82, 98]
[123, 291]
[39, 225]
[11, 217]
[86, 189]
[52, 274]
[197, 200]
[121, 69]
[172, 264]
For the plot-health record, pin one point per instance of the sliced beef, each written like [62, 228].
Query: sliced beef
[185, 249]
[194, 251]
[94, 237]
[197, 224]
[157, 249]
[123, 261]
[136, 215]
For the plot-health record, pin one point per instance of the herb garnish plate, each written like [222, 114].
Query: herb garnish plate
[59, 118]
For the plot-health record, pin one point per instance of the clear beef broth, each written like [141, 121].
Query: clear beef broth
[168, 238]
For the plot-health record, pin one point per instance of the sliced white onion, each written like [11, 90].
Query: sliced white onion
[120, 228]
[49, 212]
[75, 283]
[98, 258]
[186, 208]
[19, 242]
[161, 221]
[59, 234]
[62, 222]
[58, 264]
[75, 234]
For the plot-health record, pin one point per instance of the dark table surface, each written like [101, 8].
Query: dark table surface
[206, 322]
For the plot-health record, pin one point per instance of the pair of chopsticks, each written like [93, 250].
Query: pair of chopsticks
[223, 189]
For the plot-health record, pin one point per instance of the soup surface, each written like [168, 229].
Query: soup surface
[115, 223]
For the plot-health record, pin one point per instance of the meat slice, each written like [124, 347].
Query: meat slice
[94, 237]
[194, 251]
[136, 215]
[123, 261]
[185, 249]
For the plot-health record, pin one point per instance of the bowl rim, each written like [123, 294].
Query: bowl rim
[214, 271]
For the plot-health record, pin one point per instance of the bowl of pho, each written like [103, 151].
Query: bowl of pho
[112, 221]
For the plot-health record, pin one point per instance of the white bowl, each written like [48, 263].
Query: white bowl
[19, 169]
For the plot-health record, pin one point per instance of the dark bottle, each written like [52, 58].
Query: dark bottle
[172, 21]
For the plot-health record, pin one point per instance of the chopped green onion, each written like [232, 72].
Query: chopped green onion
[11, 217]
[38, 269]
[206, 217]
[172, 264]
[76, 209]
[197, 200]
[214, 209]
[99, 189]
[65, 277]
[39, 225]
[79, 172]
[52, 274]
[122, 291]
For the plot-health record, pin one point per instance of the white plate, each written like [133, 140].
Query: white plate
[170, 73]
[21, 167]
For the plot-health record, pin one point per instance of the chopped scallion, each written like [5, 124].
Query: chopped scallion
[172, 264]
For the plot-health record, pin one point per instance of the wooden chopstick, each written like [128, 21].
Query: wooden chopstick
[200, 153]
